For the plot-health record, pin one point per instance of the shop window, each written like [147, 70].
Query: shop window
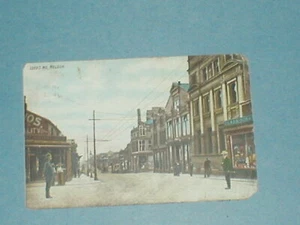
[243, 151]
[232, 91]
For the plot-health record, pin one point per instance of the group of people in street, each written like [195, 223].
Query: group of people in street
[226, 165]
[49, 171]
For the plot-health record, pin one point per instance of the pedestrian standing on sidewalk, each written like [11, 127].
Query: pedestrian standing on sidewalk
[191, 168]
[48, 174]
[207, 168]
[227, 167]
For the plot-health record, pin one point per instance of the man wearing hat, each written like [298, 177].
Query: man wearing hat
[48, 174]
[227, 167]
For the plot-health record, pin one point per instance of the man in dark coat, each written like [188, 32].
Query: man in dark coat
[207, 168]
[191, 168]
[227, 167]
[48, 174]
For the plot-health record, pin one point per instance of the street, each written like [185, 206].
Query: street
[137, 188]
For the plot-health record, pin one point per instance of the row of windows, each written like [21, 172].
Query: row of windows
[178, 127]
[232, 98]
[141, 132]
[212, 69]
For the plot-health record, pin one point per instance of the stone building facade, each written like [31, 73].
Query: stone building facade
[178, 135]
[221, 112]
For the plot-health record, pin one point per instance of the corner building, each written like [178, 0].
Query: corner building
[221, 113]
[178, 136]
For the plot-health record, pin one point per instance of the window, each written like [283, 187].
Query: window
[209, 71]
[170, 130]
[155, 139]
[177, 127]
[228, 57]
[185, 125]
[142, 131]
[204, 74]
[232, 91]
[176, 104]
[193, 78]
[205, 103]
[141, 145]
[162, 139]
[196, 107]
[216, 67]
[218, 99]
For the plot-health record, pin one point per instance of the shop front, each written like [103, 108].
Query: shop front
[43, 137]
[240, 144]
[142, 161]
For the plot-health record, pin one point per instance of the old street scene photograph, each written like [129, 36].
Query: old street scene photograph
[138, 131]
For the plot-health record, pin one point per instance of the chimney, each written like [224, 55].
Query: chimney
[139, 116]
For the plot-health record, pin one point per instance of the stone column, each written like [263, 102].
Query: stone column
[240, 87]
[201, 114]
[191, 118]
[224, 96]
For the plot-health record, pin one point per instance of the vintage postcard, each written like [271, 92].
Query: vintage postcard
[138, 131]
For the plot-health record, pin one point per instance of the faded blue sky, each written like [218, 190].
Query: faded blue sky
[113, 88]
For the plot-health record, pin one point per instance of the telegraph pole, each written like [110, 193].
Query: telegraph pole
[87, 155]
[95, 161]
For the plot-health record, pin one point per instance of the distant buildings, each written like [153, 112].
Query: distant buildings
[177, 124]
[141, 145]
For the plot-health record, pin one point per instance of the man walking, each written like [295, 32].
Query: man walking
[48, 174]
[207, 168]
[227, 167]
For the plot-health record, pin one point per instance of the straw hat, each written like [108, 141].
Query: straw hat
[224, 152]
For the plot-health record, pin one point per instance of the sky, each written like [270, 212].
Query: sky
[68, 92]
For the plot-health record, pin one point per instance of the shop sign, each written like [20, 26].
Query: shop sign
[238, 121]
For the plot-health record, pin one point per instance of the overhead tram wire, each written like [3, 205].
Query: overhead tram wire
[164, 100]
[123, 124]
[155, 87]
[159, 95]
